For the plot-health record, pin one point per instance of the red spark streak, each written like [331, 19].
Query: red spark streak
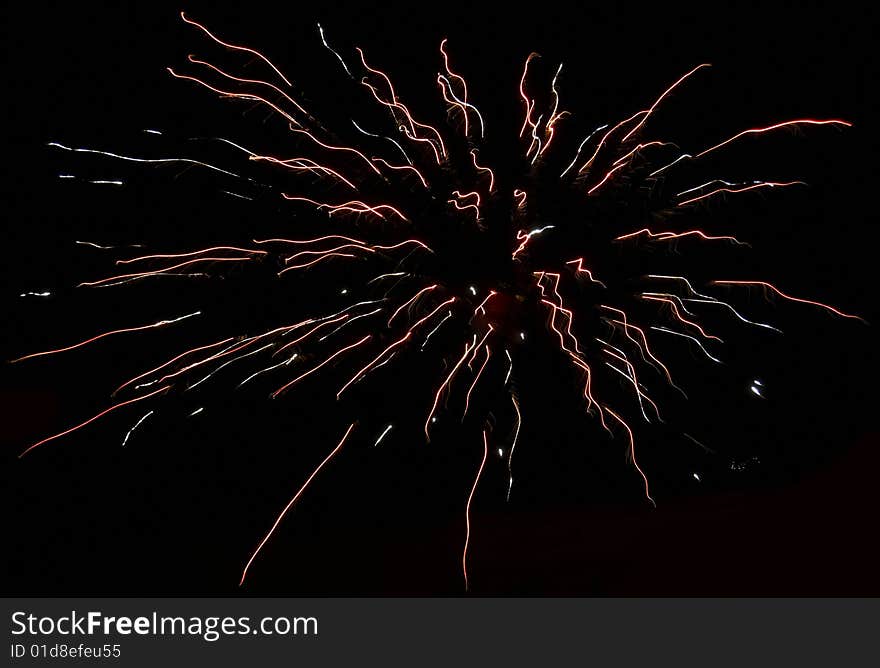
[679, 316]
[92, 419]
[161, 323]
[338, 148]
[308, 241]
[752, 131]
[190, 254]
[144, 274]
[632, 453]
[326, 256]
[287, 97]
[310, 332]
[607, 176]
[399, 105]
[403, 167]
[292, 501]
[171, 361]
[453, 102]
[405, 338]
[305, 164]
[648, 112]
[789, 297]
[410, 301]
[529, 103]
[599, 146]
[467, 512]
[355, 206]
[740, 190]
[641, 146]
[626, 328]
[580, 270]
[467, 399]
[669, 236]
[313, 369]
[448, 378]
[234, 47]
[483, 169]
[253, 97]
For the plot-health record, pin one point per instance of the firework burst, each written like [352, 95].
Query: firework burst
[455, 258]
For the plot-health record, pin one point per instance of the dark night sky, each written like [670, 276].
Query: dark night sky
[788, 503]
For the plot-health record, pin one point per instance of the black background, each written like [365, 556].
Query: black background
[786, 505]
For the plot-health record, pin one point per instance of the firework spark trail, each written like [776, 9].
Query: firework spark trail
[190, 254]
[136, 425]
[231, 77]
[235, 47]
[163, 270]
[467, 349]
[396, 104]
[467, 513]
[671, 236]
[581, 270]
[632, 453]
[513, 445]
[92, 419]
[622, 160]
[169, 362]
[467, 399]
[227, 363]
[790, 298]
[692, 338]
[650, 110]
[370, 365]
[316, 368]
[292, 501]
[743, 189]
[161, 323]
[626, 327]
[678, 315]
[752, 131]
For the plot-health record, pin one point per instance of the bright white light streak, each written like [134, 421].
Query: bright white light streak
[330, 49]
[732, 310]
[513, 446]
[143, 160]
[393, 141]
[664, 168]
[136, 425]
